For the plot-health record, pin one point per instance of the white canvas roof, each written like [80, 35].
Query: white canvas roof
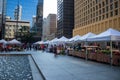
[40, 42]
[3, 41]
[84, 37]
[54, 40]
[75, 38]
[62, 39]
[110, 34]
[14, 41]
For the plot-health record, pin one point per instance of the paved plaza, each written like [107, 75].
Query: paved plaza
[50, 67]
[71, 68]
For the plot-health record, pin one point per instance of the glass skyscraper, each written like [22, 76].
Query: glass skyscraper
[2, 17]
[65, 18]
[39, 18]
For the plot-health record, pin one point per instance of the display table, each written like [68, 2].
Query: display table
[99, 57]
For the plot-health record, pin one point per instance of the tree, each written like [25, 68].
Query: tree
[28, 37]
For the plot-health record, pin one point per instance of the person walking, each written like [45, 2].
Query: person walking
[55, 50]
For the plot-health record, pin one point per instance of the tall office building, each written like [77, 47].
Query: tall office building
[39, 18]
[1, 6]
[49, 27]
[65, 18]
[96, 16]
[45, 30]
[18, 12]
[33, 28]
[2, 17]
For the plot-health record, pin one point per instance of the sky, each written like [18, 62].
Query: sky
[29, 8]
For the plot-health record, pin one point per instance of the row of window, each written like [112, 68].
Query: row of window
[97, 28]
[93, 9]
[86, 20]
[92, 15]
[101, 3]
[9, 34]
[95, 15]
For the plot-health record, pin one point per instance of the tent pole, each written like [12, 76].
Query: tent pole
[86, 50]
[111, 55]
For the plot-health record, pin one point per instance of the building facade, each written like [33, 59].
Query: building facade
[34, 27]
[39, 18]
[65, 18]
[2, 17]
[11, 30]
[0, 21]
[50, 27]
[45, 31]
[18, 12]
[96, 16]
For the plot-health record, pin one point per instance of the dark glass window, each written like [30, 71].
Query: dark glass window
[107, 15]
[111, 14]
[116, 12]
[103, 17]
[99, 11]
[111, 1]
[116, 4]
[111, 6]
[103, 10]
[107, 8]
[99, 5]
[99, 17]
[106, 1]
[103, 4]
[96, 13]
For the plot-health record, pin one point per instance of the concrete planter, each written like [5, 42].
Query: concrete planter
[71, 52]
[99, 57]
[106, 58]
[116, 60]
[92, 56]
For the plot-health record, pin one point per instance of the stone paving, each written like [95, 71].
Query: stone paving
[15, 67]
[72, 68]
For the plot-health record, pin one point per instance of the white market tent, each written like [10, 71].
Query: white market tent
[39, 42]
[62, 39]
[88, 35]
[54, 40]
[109, 35]
[14, 41]
[75, 38]
[84, 38]
[46, 42]
[3, 41]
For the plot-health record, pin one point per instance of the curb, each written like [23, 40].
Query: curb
[38, 68]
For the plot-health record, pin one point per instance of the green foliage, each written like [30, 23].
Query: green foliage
[28, 38]
[62, 52]
[105, 51]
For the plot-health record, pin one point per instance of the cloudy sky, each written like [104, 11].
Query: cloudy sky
[50, 6]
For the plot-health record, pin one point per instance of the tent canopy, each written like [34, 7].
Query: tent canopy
[108, 35]
[62, 39]
[14, 41]
[3, 41]
[54, 40]
[75, 38]
[46, 42]
[39, 42]
[84, 37]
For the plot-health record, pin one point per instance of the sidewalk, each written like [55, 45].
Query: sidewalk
[71, 68]
[16, 52]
